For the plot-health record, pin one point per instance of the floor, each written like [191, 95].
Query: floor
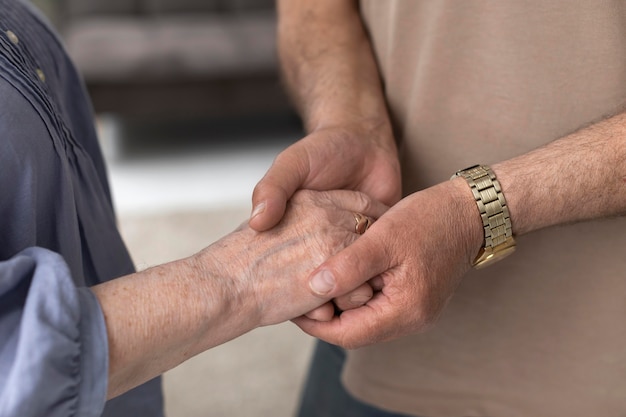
[176, 190]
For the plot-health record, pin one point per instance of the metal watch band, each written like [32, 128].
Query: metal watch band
[499, 240]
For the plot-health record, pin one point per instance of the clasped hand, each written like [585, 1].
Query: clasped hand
[265, 273]
[397, 277]
[412, 258]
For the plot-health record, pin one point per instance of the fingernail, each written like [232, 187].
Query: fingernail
[359, 299]
[322, 282]
[260, 208]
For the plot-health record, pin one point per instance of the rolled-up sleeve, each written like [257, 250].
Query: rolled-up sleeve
[53, 343]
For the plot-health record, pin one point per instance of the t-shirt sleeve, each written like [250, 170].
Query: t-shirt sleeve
[53, 342]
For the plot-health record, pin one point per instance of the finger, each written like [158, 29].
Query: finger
[376, 283]
[355, 298]
[325, 312]
[357, 202]
[351, 267]
[356, 328]
[269, 198]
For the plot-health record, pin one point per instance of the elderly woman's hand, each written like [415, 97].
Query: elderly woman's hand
[267, 272]
[162, 316]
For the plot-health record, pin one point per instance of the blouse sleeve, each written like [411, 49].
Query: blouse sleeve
[53, 343]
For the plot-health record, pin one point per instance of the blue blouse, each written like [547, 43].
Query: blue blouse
[58, 235]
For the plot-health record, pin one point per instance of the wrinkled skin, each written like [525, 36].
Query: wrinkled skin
[159, 317]
[404, 254]
[272, 267]
[361, 157]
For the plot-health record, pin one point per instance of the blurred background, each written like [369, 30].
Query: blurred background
[190, 113]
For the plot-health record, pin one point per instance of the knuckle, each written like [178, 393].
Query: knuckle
[282, 158]
[364, 202]
[258, 191]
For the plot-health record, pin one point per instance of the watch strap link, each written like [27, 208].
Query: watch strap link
[494, 213]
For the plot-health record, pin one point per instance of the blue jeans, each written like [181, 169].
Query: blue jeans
[325, 396]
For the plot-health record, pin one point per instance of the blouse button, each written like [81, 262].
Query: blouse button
[41, 75]
[12, 37]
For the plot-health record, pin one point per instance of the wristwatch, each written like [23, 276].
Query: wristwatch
[499, 240]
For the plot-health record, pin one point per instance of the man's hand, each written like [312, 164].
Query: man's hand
[331, 74]
[417, 253]
[357, 158]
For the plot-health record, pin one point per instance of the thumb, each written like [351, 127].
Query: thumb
[269, 198]
[350, 268]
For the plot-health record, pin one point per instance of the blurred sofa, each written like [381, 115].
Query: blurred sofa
[175, 58]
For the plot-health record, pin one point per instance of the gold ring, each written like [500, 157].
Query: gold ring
[362, 223]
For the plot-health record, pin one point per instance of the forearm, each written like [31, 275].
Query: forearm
[421, 249]
[328, 64]
[579, 177]
[158, 318]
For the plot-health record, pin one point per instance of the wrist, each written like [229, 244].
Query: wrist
[221, 280]
[377, 129]
[470, 224]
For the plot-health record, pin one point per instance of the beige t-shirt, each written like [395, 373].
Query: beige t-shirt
[542, 333]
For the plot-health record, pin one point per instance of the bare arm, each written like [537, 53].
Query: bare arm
[158, 318]
[577, 178]
[331, 74]
[328, 64]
